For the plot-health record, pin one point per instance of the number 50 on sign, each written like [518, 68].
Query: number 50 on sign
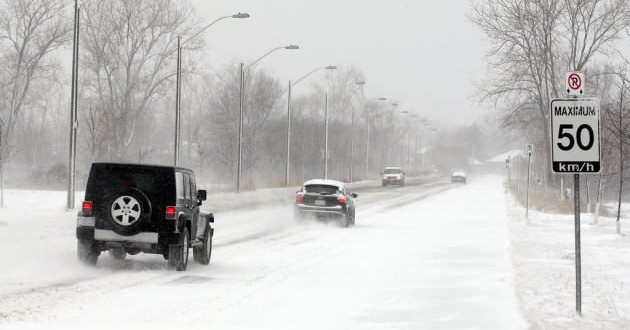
[575, 135]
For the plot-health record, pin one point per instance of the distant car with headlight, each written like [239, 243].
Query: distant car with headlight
[393, 176]
[326, 199]
[458, 176]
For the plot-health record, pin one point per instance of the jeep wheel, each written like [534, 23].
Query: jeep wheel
[87, 251]
[203, 253]
[178, 253]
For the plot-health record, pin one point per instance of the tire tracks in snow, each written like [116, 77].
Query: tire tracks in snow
[40, 303]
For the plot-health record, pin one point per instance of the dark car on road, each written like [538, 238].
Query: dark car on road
[326, 199]
[132, 208]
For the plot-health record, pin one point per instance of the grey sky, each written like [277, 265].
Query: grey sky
[424, 54]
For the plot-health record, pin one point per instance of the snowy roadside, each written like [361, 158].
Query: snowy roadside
[544, 266]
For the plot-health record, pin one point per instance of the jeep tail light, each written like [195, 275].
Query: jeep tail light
[299, 197]
[87, 208]
[341, 200]
[170, 212]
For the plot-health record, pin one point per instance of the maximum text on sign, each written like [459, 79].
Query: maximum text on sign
[575, 146]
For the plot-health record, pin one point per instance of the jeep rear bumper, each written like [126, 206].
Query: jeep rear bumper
[110, 235]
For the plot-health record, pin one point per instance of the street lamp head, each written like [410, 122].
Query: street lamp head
[360, 82]
[331, 67]
[241, 15]
[292, 47]
[404, 111]
[382, 98]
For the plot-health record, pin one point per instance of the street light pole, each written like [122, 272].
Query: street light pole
[367, 146]
[73, 116]
[240, 127]
[178, 83]
[287, 174]
[239, 164]
[351, 142]
[326, 139]
[237, 15]
[178, 96]
[287, 179]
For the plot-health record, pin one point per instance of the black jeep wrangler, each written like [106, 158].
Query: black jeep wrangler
[131, 208]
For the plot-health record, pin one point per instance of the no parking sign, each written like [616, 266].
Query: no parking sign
[575, 84]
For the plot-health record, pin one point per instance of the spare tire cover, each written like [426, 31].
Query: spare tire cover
[128, 210]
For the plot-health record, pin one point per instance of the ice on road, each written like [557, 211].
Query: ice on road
[417, 259]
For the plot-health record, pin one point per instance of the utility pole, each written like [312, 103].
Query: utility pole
[529, 165]
[73, 111]
[287, 179]
[367, 146]
[326, 139]
[240, 130]
[178, 98]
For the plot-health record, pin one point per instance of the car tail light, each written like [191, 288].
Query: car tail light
[87, 208]
[170, 212]
[341, 200]
[299, 197]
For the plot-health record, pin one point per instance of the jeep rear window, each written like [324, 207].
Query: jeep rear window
[321, 189]
[120, 177]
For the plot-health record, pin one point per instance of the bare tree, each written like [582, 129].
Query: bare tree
[218, 135]
[129, 59]
[527, 62]
[617, 123]
[29, 31]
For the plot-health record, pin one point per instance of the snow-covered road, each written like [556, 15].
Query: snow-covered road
[429, 256]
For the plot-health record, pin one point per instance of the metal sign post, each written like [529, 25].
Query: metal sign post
[575, 148]
[578, 252]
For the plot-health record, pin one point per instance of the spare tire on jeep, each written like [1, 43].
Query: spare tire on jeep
[127, 210]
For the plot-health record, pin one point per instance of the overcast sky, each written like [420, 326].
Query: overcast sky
[424, 54]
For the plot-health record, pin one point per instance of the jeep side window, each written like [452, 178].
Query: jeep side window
[193, 188]
[186, 186]
[179, 181]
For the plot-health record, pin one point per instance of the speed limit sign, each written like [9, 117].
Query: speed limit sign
[575, 135]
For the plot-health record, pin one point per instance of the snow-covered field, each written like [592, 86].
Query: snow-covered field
[543, 253]
[425, 256]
